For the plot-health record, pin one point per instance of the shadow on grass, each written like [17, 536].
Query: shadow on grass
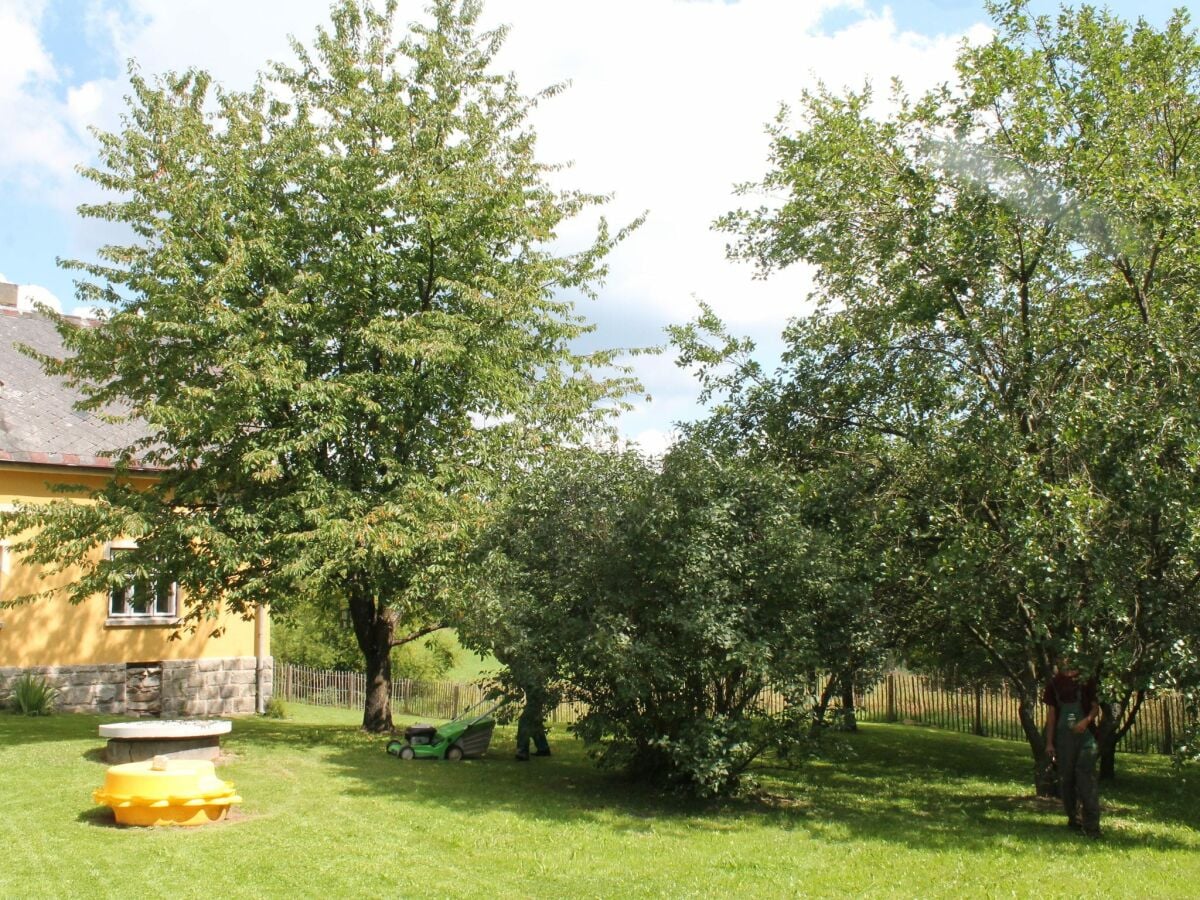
[920, 781]
[16, 730]
[906, 786]
[914, 787]
[99, 817]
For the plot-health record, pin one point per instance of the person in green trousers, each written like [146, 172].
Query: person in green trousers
[532, 724]
[1072, 711]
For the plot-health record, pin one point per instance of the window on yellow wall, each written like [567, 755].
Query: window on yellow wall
[140, 595]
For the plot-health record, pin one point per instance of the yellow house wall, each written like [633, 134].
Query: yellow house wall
[55, 632]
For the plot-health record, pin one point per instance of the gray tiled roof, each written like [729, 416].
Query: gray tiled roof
[38, 421]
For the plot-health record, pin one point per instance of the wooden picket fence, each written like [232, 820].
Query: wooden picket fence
[428, 699]
[992, 711]
[898, 697]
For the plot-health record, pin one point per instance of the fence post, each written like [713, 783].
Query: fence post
[1168, 737]
[979, 710]
[890, 715]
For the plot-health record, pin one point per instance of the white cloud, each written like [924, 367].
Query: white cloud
[24, 58]
[654, 441]
[668, 107]
[232, 39]
[37, 147]
[84, 105]
[31, 296]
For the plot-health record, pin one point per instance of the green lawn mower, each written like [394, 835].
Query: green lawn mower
[464, 737]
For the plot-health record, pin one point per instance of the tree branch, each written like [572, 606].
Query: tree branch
[419, 633]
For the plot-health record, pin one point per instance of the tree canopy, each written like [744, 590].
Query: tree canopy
[342, 313]
[1005, 342]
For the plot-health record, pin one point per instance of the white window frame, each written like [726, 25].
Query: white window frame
[130, 615]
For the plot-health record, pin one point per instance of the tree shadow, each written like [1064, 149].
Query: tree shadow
[917, 777]
[889, 784]
[909, 787]
[17, 730]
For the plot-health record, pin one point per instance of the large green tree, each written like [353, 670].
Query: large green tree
[342, 315]
[1006, 275]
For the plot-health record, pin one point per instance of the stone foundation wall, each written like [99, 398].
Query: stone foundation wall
[212, 687]
[189, 687]
[86, 689]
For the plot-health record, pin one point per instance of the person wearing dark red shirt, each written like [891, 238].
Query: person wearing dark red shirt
[1072, 711]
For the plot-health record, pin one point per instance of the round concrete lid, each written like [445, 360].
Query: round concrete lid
[166, 728]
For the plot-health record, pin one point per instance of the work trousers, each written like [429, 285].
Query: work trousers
[1077, 757]
[532, 725]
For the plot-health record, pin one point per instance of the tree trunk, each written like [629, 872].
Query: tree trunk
[377, 710]
[373, 627]
[1108, 760]
[1045, 775]
[849, 722]
[818, 715]
[1108, 741]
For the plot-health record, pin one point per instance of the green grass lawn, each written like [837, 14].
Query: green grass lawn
[893, 811]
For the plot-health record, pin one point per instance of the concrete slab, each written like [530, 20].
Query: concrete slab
[172, 738]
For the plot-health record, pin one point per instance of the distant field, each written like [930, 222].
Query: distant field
[468, 666]
[417, 660]
[893, 811]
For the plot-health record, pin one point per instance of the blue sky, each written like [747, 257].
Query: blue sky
[938, 16]
[666, 110]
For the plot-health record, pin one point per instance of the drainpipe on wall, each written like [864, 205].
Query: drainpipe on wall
[260, 652]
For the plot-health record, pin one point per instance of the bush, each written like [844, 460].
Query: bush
[32, 695]
[665, 600]
[275, 709]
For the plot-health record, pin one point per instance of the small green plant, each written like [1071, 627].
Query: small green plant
[275, 709]
[32, 695]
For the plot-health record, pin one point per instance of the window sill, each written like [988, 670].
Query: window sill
[139, 621]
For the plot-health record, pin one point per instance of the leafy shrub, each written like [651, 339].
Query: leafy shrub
[32, 695]
[275, 709]
[665, 600]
